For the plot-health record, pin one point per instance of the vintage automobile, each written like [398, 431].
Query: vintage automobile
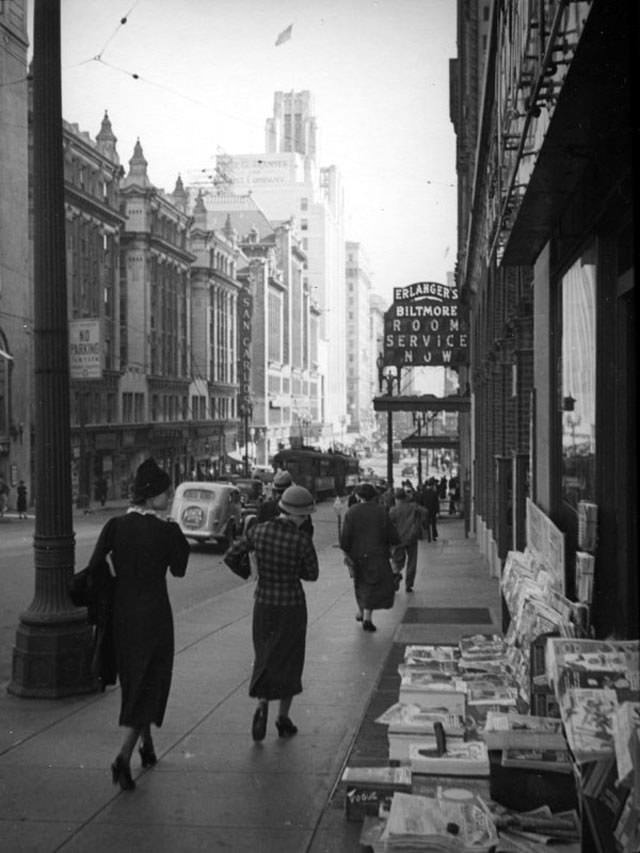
[208, 511]
[252, 496]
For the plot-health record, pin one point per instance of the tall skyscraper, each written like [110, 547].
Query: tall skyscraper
[288, 184]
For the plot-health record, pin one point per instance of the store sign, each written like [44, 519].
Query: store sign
[423, 327]
[245, 314]
[85, 356]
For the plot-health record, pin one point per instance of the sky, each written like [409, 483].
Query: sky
[205, 75]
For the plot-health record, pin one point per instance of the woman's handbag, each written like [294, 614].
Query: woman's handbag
[238, 561]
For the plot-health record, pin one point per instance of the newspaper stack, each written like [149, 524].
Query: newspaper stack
[455, 821]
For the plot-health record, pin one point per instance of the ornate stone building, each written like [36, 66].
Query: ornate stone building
[16, 304]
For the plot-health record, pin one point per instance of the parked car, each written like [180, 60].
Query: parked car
[252, 492]
[208, 511]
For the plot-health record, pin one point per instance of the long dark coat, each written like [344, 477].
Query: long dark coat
[367, 538]
[142, 548]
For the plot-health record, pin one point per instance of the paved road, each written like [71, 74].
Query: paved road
[207, 576]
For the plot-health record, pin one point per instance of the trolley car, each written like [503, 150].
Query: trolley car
[324, 474]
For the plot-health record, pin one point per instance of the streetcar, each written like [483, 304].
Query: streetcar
[323, 474]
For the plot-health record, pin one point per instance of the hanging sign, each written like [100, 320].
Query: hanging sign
[424, 327]
[85, 357]
[245, 313]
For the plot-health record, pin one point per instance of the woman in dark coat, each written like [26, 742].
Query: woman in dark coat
[142, 547]
[367, 538]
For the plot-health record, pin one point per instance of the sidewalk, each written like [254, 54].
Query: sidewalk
[214, 789]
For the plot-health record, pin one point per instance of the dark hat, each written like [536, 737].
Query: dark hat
[282, 480]
[296, 500]
[150, 481]
[366, 491]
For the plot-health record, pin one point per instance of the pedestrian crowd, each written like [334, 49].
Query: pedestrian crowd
[125, 591]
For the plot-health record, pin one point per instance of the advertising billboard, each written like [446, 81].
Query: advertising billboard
[424, 327]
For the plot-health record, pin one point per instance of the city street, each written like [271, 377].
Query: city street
[207, 576]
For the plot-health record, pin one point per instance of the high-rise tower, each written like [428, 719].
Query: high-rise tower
[293, 125]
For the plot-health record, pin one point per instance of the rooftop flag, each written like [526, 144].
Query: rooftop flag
[285, 35]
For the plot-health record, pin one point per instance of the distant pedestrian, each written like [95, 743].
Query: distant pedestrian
[284, 556]
[431, 503]
[21, 500]
[368, 536]
[4, 496]
[408, 518]
[454, 495]
[101, 490]
[271, 508]
[142, 547]
[340, 506]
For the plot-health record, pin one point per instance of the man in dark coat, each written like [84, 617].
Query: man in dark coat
[367, 538]
[432, 505]
[408, 518]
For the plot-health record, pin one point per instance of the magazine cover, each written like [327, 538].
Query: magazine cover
[521, 730]
[481, 645]
[554, 760]
[462, 758]
[420, 654]
[412, 718]
[588, 719]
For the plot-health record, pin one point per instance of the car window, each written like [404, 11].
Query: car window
[199, 495]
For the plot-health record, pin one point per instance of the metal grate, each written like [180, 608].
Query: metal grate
[448, 615]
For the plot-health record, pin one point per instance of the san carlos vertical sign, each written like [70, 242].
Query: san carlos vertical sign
[424, 327]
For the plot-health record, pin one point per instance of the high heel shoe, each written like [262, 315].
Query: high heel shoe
[259, 724]
[121, 774]
[148, 756]
[285, 727]
[367, 625]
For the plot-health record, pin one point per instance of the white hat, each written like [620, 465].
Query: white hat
[296, 500]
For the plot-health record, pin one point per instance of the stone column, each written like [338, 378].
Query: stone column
[52, 651]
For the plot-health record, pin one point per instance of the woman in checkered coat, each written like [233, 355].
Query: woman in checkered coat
[285, 556]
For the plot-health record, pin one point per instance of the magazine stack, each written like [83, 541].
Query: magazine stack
[441, 823]
[527, 742]
[597, 683]
[536, 609]
[408, 724]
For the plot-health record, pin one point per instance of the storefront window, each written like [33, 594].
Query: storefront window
[578, 380]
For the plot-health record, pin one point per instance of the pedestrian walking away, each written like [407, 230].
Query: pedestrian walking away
[368, 536]
[21, 500]
[271, 508]
[284, 556]
[141, 547]
[4, 496]
[431, 503]
[409, 519]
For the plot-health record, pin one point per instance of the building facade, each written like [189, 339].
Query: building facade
[287, 183]
[361, 357]
[285, 388]
[546, 264]
[16, 303]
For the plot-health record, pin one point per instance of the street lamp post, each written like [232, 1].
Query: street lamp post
[388, 379]
[52, 652]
